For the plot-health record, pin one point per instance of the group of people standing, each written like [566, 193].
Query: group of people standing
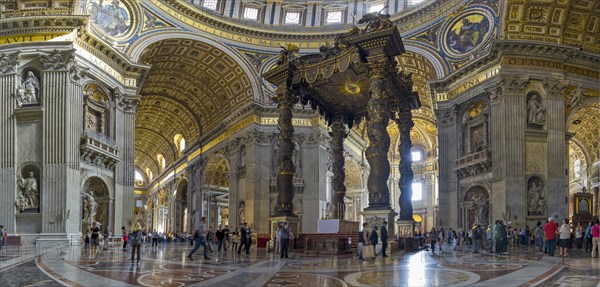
[203, 237]
[368, 238]
[546, 237]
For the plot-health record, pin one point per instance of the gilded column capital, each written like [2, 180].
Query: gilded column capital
[124, 102]
[447, 116]
[8, 63]
[57, 60]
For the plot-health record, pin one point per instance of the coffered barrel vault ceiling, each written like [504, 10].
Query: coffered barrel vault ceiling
[569, 22]
[190, 88]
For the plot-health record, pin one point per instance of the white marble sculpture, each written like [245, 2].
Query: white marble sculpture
[89, 206]
[28, 92]
[29, 190]
[535, 112]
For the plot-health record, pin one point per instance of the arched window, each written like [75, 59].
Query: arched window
[161, 161]
[417, 189]
[179, 143]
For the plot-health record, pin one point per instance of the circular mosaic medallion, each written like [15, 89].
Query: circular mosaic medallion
[466, 33]
[111, 18]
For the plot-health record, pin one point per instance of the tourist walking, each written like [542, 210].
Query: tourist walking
[286, 235]
[3, 236]
[125, 238]
[155, 238]
[200, 238]
[433, 235]
[384, 239]
[550, 230]
[220, 238]
[478, 238]
[539, 237]
[588, 237]
[136, 242]
[595, 230]
[363, 238]
[579, 235]
[565, 237]
[490, 238]
[106, 234]
[95, 238]
[374, 238]
[244, 239]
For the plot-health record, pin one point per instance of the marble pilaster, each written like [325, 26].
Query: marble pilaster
[496, 145]
[448, 154]
[8, 80]
[515, 124]
[124, 170]
[62, 99]
[557, 190]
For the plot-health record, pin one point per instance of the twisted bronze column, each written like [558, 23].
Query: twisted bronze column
[379, 140]
[285, 174]
[338, 134]
[405, 123]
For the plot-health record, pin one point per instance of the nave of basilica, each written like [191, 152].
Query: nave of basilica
[408, 114]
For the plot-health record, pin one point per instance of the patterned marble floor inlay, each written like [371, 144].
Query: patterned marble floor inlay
[167, 265]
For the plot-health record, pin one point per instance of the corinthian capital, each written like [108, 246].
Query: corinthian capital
[8, 63]
[513, 85]
[555, 88]
[495, 93]
[58, 60]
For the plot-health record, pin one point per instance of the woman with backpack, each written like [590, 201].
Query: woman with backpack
[136, 242]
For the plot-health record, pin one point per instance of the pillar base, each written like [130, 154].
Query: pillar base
[406, 228]
[292, 220]
[377, 216]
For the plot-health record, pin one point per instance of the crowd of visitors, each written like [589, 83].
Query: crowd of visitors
[546, 237]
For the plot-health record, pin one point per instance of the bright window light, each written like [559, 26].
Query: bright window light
[138, 176]
[210, 4]
[416, 156]
[250, 13]
[334, 17]
[376, 7]
[417, 189]
[292, 17]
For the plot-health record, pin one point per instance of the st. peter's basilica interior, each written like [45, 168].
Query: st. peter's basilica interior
[161, 116]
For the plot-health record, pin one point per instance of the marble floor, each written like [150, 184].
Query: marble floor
[167, 265]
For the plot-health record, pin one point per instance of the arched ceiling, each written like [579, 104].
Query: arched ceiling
[584, 125]
[570, 22]
[190, 89]
[216, 173]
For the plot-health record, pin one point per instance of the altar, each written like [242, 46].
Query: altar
[329, 226]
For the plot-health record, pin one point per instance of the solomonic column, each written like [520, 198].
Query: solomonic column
[379, 140]
[283, 77]
[405, 123]
[285, 174]
[338, 134]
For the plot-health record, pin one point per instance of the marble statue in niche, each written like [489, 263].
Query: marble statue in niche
[536, 202]
[480, 205]
[30, 195]
[535, 111]
[242, 212]
[28, 92]
[89, 206]
[242, 159]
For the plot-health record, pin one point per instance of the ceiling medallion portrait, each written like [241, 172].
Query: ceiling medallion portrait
[467, 33]
[112, 18]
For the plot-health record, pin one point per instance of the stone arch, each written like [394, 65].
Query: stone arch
[476, 205]
[441, 70]
[100, 189]
[216, 172]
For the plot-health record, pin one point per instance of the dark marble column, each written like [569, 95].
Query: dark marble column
[379, 140]
[405, 124]
[285, 174]
[338, 134]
